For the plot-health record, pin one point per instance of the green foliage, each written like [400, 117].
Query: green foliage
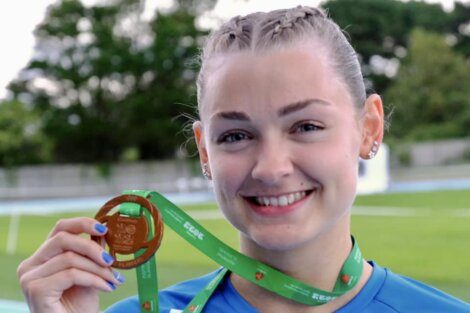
[383, 27]
[431, 94]
[459, 22]
[21, 140]
[106, 89]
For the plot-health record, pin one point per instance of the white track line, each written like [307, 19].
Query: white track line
[206, 214]
[356, 210]
[11, 306]
[215, 214]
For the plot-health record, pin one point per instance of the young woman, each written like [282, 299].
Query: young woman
[284, 119]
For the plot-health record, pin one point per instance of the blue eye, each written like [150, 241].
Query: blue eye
[304, 127]
[232, 137]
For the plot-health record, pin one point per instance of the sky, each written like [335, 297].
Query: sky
[19, 18]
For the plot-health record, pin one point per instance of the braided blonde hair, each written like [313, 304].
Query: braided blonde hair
[259, 32]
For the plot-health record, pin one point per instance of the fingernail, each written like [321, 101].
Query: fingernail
[110, 284]
[100, 228]
[107, 257]
[119, 277]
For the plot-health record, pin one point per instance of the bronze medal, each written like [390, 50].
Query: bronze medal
[126, 234]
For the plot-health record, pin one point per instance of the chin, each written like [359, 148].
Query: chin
[278, 239]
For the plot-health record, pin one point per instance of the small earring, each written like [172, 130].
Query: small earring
[206, 172]
[374, 150]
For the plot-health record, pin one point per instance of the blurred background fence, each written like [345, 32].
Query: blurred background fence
[85, 180]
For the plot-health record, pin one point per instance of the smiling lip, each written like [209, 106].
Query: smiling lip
[277, 210]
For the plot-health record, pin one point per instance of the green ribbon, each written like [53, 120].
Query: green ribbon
[147, 280]
[232, 261]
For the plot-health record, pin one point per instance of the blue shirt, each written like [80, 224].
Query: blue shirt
[384, 292]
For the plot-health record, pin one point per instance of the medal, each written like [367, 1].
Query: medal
[128, 234]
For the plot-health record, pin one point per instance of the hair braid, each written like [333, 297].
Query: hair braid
[236, 34]
[294, 16]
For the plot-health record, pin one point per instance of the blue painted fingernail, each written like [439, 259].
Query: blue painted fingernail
[119, 277]
[107, 257]
[100, 228]
[110, 284]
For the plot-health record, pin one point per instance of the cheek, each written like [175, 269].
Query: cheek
[343, 163]
[343, 166]
[229, 172]
[328, 159]
[334, 163]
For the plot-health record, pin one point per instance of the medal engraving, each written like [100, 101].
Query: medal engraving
[127, 235]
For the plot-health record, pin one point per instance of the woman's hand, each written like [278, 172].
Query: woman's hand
[66, 272]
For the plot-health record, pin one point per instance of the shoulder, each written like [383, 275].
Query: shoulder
[409, 295]
[173, 298]
[393, 293]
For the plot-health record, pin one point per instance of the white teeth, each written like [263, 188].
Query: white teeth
[281, 200]
[265, 201]
[296, 196]
[273, 201]
[291, 198]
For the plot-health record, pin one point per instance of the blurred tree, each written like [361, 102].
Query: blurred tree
[21, 140]
[380, 30]
[431, 93]
[109, 84]
[460, 26]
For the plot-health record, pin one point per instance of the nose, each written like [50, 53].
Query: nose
[273, 163]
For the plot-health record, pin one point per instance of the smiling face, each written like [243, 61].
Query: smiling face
[282, 139]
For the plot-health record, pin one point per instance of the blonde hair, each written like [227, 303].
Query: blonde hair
[259, 32]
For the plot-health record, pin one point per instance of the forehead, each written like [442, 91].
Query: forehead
[263, 81]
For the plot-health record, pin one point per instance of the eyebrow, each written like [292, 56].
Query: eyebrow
[285, 110]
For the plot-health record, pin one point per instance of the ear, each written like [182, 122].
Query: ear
[200, 142]
[372, 124]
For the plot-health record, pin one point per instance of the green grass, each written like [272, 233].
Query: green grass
[442, 200]
[433, 247]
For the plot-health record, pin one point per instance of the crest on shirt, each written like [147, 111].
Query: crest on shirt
[259, 276]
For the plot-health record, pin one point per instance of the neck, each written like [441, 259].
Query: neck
[316, 263]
